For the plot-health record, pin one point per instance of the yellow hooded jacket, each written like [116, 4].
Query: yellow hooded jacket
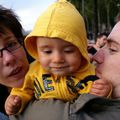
[60, 20]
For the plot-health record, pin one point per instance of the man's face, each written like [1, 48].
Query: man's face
[108, 58]
[13, 60]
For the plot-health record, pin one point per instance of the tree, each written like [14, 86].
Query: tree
[106, 11]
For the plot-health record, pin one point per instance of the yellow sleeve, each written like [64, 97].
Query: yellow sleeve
[86, 88]
[26, 92]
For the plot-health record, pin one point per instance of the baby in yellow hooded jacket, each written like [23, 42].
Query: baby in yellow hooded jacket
[62, 69]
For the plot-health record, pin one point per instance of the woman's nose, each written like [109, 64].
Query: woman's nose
[8, 58]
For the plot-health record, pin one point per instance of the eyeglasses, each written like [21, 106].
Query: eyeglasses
[10, 47]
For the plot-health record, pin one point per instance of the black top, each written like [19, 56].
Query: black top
[3, 95]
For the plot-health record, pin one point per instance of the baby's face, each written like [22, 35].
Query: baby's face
[57, 56]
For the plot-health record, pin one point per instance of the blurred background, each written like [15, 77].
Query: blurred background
[99, 15]
[27, 10]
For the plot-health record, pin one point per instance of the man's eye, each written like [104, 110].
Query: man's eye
[113, 50]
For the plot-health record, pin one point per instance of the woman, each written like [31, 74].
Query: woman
[13, 60]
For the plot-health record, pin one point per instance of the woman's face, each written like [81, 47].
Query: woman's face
[13, 61]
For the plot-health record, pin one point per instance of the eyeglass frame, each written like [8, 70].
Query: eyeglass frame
[10, 49]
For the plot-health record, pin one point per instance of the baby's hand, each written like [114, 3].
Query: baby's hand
[101, 88]
[13, 104]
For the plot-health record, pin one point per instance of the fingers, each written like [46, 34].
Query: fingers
[12, 104]
[101, 88]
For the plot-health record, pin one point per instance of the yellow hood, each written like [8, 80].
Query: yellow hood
[60, 20]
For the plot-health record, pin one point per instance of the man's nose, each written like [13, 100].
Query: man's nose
[99, 56]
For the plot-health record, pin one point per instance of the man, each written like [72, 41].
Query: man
[108, 61]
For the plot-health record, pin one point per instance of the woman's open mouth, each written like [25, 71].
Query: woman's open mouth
[16, 71]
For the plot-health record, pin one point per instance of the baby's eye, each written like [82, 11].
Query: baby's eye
[69, 50]
[47, 51]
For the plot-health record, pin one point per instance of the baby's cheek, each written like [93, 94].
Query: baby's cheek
[44, 65]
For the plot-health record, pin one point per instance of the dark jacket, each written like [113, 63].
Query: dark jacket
[3, 95]
[86, 107]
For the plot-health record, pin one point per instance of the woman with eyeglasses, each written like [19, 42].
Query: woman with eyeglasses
[13, 59]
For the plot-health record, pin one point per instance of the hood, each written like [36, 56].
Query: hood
[60, 20]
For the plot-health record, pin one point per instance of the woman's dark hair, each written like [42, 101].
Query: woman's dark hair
[8, 19]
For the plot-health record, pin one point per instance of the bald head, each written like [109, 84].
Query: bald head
[115, 33]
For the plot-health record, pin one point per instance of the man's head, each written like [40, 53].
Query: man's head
[101, 40]
[108, 57]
